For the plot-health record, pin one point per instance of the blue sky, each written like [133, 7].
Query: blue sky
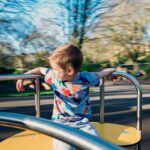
[36, 25]
[21, 18]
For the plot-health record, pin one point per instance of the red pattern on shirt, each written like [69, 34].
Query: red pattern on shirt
[75, 88]
[59, 102]
[85, 110]
[49, 80]
[66, 92]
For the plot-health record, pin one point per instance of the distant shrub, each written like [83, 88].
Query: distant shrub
[95, 66]
[147, 71]
[4, 70]
[123, 59]
[16, 72]
[90, 67]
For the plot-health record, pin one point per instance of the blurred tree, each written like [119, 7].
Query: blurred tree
[122, 31]
[35, 26]
[7, 53]
[25, 30]
[103, 29]
[40, 59]
[83, 16]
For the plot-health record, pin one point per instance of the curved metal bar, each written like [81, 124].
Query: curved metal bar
[139, 95]
[27, 76]
[69, 135]
[102, 102]
[18, 76]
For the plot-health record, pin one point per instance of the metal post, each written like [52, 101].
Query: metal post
[138, 146]
[139, 109]
[26, 76]
[139, 96]
[37, 97]
[102, 100]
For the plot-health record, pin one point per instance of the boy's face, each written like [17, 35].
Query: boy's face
[62, 74]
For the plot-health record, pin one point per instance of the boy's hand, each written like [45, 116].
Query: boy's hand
[110, 70]
[107, 72]
[19, 86]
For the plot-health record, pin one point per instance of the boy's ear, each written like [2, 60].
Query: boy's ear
[71, 71]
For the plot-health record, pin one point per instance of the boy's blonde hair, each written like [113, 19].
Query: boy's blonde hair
[67, 55]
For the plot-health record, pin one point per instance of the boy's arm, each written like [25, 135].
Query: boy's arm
[105, 72]
[38, 71]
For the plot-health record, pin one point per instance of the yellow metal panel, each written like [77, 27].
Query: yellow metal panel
[118, 134]
[30, 140]
[27, 140]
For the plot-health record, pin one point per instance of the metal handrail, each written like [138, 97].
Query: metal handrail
[27, 76]
[139, 97]
[123, 74]
[18, 76]
[77, 138]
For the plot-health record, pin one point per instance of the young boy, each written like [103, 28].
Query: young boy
[71, 89]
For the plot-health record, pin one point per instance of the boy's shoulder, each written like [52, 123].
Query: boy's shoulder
[88, 78]
[46, 71]
[87, 75]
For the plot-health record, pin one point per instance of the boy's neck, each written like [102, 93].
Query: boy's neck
[73, 77]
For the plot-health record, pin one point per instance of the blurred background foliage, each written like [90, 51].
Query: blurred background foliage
[110, 33]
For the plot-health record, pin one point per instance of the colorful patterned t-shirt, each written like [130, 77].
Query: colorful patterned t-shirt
[71, 99]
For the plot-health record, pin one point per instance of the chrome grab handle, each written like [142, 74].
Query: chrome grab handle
[77, 138]
[27, 76]
[139, 97]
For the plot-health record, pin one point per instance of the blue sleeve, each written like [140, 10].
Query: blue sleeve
[89, 79]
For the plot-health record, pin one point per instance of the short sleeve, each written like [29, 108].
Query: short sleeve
[45, 71]
[90, 79]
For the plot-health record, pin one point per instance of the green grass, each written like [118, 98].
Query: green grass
[29, 93]
[23, 94]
